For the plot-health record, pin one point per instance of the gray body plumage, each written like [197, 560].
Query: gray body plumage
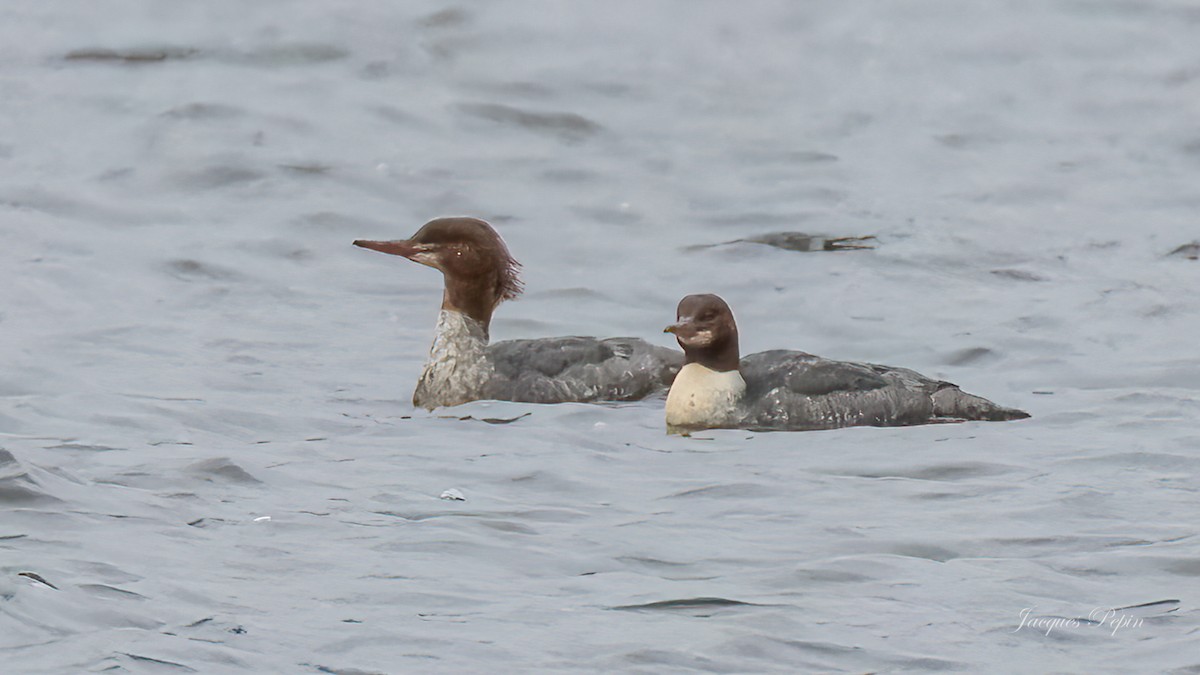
[791, 390]
[463, 367]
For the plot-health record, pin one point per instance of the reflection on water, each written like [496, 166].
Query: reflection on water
[798, 241]
[1191, 251]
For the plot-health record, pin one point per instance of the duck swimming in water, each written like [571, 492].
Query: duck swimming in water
[479, 274]
[790, 390]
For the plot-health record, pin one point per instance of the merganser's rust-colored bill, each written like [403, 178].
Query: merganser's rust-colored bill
[401, 247]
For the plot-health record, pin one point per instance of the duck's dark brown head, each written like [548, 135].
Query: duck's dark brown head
[479, 271]
[705, 328]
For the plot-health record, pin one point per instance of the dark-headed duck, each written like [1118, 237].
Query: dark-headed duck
[479, 274]
[789, 390]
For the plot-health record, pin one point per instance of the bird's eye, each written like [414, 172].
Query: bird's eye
[458, 254]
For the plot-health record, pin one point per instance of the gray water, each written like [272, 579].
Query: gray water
[208, 444]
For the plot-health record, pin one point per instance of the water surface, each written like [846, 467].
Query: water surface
[207, 442]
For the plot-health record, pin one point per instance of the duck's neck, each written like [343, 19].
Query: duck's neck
[720, 357]
[458, 368]
[703, 398]
[475, 299]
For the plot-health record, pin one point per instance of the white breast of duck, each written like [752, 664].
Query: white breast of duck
[458, 369]
[703, 398]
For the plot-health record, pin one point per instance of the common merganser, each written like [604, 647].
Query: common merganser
[479, 274]
[790, 390]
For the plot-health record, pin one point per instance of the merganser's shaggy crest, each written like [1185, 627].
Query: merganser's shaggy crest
[788, 390]
[479, 274]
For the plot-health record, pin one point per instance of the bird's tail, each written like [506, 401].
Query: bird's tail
[951, 402]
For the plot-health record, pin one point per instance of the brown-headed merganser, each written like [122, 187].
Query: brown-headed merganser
[479, 274]
[789, 390]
